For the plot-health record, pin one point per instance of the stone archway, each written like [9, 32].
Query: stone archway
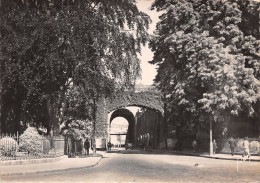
[147, 99]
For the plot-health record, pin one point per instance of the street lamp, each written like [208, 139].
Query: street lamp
[210, 137]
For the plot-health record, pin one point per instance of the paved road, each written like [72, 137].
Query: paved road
[137, 166]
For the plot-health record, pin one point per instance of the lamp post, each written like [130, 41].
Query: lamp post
[210, 137]
[165, 127]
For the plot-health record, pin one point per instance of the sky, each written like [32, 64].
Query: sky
[119, 125]
[148, 70]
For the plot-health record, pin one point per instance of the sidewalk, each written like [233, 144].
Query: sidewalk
[64, 163]
[218, 155]
[199, 154]
[206, 155]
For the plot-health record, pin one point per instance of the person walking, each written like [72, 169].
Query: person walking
[178, 145]
[195, 145]
[215, 146]
[87, 146]
[232, 145]
[109, 146]
[150, 145]
[246, 147]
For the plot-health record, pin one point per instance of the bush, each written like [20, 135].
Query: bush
[240, 144]
[254, 147]
[31, 141]
[8, 146]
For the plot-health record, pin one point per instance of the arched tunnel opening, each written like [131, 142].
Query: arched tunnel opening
[143, 126]
[118, 131]
[128, 136]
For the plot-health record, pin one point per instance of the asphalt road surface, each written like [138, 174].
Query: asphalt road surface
[140, 166]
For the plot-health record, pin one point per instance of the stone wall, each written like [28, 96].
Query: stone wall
[149, 127]
[152, 100]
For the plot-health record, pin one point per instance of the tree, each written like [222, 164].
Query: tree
[207, 53]
[50, 45]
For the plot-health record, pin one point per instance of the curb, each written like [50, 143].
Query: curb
[30, 161]
[212, 157]
[255, 160]
[53, 171]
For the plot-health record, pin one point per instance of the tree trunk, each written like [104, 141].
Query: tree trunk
[53, 117]
[1, 99]
[56, 116]
[61, 102]
[258, 116]
[94, 127]
[1, 107]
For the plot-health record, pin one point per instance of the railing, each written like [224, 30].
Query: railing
[12, 147]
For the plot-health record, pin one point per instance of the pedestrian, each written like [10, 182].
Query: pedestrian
[143, 145]
[150, 145]
[215, 146]
[81, 146]
[109, 146]
[232, 145]
[178, 145]
[86, 146]
[246, 147]
[195, 145]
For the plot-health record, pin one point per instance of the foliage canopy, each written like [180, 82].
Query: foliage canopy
[208, 58]
[49, 45]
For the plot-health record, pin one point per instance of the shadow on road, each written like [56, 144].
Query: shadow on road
[139, 151]
[87, 156]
